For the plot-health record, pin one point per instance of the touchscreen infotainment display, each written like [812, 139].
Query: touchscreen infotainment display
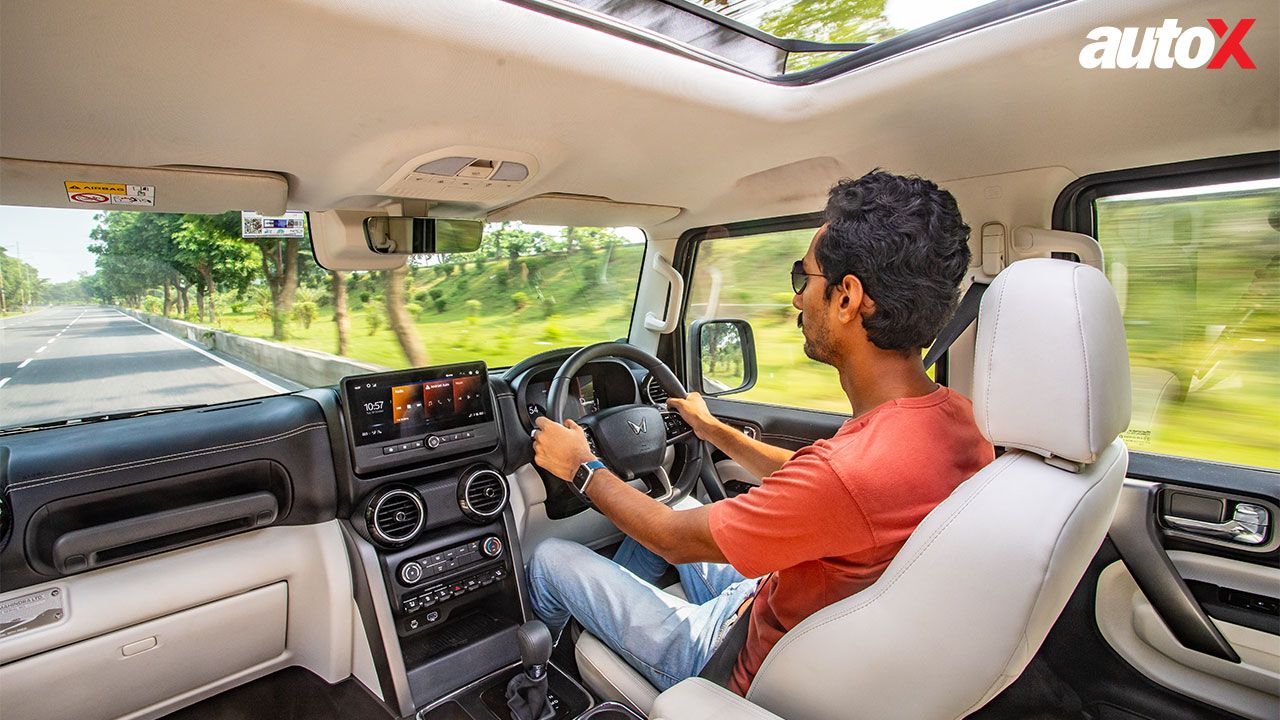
[413, 403]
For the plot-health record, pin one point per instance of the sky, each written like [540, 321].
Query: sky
[53, 241]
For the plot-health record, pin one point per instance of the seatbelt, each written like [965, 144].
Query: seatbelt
[966, 313]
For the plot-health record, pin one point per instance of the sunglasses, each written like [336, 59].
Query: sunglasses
[800, 278]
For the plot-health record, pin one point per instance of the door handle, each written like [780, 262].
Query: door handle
[1248, 525]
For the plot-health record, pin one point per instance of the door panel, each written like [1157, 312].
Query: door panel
[791, 428]
[1218, 642]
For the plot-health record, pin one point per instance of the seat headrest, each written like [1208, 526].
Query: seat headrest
[1051, 370]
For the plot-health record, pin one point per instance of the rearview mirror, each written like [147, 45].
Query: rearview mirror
[723, 357]
[421, 236]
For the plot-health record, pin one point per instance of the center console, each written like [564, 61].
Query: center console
[443, 586]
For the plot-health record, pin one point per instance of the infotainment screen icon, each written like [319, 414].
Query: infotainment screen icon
[400, 417]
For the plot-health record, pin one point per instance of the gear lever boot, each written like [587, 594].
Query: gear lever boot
[527, 692]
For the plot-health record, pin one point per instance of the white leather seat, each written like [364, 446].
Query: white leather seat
[962, 609]
[609, 676]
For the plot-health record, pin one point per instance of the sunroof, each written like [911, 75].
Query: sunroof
[789, 41]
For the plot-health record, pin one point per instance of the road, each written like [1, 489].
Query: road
[66, 362]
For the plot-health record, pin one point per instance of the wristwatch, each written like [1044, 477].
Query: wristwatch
[585, 471]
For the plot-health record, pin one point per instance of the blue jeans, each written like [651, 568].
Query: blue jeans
[664, 637]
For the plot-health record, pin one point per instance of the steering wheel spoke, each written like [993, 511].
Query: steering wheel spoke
[674, 425]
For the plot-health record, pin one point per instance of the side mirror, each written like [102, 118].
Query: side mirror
[421, 236]
[722, 357]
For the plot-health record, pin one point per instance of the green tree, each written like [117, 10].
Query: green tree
[212, 246]
[826, 21]
[20, 283]
[135, 252]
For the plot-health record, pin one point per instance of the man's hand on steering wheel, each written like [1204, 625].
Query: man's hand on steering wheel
[695, 412]
[560, 449]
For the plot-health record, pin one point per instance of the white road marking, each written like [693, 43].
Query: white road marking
[25, 363]
[53, 339]
[42, 347]
[209, 355]
[3, 381]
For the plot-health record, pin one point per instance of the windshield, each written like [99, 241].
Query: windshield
[116, 312]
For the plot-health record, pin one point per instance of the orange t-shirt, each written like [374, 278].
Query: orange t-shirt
[828, 522]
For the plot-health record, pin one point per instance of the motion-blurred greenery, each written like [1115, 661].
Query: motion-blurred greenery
[1196, 276]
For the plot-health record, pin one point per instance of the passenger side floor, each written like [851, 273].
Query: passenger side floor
[289, 694]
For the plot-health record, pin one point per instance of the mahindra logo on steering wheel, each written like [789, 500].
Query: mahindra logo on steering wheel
[642, 427]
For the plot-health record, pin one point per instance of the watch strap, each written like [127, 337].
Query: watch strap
[591, 466]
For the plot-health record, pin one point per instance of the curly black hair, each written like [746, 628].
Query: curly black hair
[903, 238]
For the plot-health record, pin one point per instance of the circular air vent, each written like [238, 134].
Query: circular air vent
[653, 390]
[395, 516]
[482, 494]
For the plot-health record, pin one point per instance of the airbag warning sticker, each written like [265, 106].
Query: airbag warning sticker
[31, 611]
[84, 193]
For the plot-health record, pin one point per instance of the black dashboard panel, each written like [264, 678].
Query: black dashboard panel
[238, 465]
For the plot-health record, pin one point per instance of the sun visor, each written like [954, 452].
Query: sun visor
[337, 237]
[176, 189]
[583, 211]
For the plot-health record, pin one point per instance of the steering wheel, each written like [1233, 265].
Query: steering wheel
[631, 440]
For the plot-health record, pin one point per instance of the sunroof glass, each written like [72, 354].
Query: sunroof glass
[834, 21]
[780, 40]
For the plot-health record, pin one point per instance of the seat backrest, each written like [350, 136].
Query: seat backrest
[966, 603]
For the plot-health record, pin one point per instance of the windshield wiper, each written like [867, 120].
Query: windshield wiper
[96, 418]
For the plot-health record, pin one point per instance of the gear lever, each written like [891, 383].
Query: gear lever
[527, 692]
[535, 648]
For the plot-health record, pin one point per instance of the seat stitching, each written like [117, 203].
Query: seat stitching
[991, 344]
[1056, 544]
[1084, 350]
[788, 639]
[163, 458]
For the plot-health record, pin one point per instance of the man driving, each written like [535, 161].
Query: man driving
[880, 279]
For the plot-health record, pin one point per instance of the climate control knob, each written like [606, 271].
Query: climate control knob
[492, 546]
[410, 573]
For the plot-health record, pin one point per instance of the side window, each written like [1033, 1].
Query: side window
[748, 277]
[1197, 272]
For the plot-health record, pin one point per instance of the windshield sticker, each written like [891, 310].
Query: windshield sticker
[31, 611]
[84, 193]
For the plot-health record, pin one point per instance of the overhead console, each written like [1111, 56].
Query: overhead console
[418, 415]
